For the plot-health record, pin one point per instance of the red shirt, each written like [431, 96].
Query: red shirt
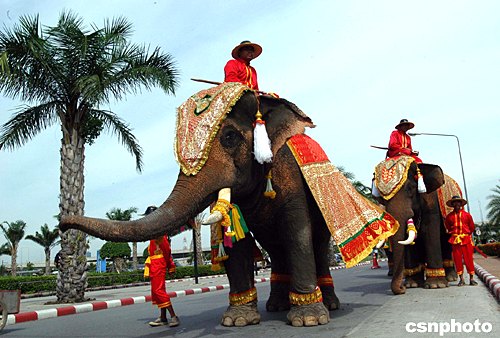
[460, 225]
[238, 71]
[399, 144]
[161, 257]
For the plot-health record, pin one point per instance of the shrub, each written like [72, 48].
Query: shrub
[39, 284]
[490, 249]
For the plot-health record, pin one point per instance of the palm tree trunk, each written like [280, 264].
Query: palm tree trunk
[72, 277]
[13, 261]
[47, 261]
[134, 255]
[199, 249]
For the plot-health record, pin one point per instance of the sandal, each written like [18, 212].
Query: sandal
[461, 283]
[473, 283]
[174, 322]
[158, 322]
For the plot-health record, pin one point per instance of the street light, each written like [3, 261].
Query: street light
[459, 154]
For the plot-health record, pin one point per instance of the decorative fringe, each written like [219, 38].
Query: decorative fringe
[269, 193]
[244, 297]
[305, 298]
[261, 143]
[420, 182]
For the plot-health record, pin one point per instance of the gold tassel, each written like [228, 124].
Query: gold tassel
[237, 228]
[269, 193]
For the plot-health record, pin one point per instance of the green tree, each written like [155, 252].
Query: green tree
[66, 73]
[117, 252]
[125, 215]
[14, 233]
[47, 239]
[493, 206]
[360, 187]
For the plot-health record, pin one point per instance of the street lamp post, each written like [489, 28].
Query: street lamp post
[459, 154]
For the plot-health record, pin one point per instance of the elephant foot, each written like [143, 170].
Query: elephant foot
[308, 315]
[241, 315]
[278, 301]
[415, 281]
[451, 274]
[436, 283]
[330, 299]
[397, 286]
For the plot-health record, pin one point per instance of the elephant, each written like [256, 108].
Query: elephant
[290, 226]
[416, 263]
[397, 190]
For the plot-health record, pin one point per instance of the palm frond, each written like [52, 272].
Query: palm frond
[114, 124]
[26, 123]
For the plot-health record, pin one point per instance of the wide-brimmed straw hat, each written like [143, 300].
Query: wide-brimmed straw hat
[455, 199]
[149, 210]
[405, 121]
[257, 49]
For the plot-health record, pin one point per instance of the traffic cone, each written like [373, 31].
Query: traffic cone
[374, 261]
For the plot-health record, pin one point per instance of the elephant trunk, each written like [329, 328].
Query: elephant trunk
[188, 198]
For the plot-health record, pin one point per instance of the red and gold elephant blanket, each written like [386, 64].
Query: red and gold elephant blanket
[356, 223]
[449, 189]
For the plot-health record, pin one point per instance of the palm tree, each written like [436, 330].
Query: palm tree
[66, 73]
[197, 223]
[494, 206]
[14, 233]
[47, 239]
[125, 215]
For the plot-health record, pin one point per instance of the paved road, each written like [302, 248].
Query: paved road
[368, 310]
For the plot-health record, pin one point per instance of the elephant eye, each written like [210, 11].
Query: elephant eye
[230, 138]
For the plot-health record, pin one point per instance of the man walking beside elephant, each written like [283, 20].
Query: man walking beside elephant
[460, 225]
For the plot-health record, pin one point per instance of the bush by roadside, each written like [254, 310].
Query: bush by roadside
[490, 249]
[44, 284]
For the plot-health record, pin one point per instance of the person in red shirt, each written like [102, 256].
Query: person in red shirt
[159, 261]
[400, 144]
[400, 141]
[460, 225]
[239, 69]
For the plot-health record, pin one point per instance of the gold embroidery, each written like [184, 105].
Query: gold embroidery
[244, 297]
[307, 298]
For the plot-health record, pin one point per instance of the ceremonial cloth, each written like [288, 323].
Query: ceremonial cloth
[199, 120]
[356, 223]
[449, 189]
[391, 174]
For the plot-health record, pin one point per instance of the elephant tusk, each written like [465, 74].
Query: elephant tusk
[410, 239]
[380, 243]
[214, 217]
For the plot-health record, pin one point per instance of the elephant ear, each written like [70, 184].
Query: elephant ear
[283, 120]
[433, 176]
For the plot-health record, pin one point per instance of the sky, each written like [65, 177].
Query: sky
[356, 68]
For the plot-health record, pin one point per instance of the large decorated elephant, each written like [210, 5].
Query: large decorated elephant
[215, 149]
[417, 258]
[396, 183]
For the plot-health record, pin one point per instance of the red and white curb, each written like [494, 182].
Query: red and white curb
[492, 282]
[102, 305]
